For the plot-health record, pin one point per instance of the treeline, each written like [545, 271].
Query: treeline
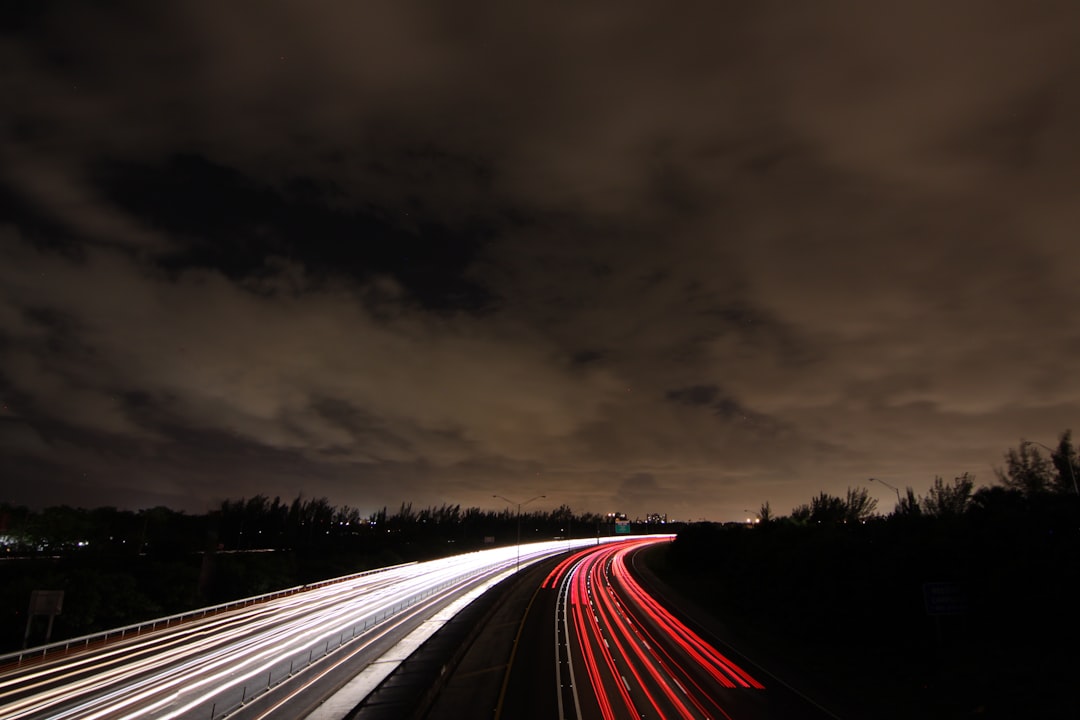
[960, 602]
[118, 567]
[262, 523]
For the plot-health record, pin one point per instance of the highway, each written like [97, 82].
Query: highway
[279, 658]
[596, 645]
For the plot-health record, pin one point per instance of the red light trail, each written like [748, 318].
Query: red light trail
[638, 658]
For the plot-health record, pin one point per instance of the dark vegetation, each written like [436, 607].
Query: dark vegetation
[118, 567]
[961, 603]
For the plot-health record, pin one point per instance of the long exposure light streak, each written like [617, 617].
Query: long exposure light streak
[639, 660]
[212, 665]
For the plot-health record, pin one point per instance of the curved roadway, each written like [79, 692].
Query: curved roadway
[592, 644]
[596, 645]
[278, 658]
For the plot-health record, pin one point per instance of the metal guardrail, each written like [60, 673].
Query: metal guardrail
[242, 690]
[231, 699]
[135, 629]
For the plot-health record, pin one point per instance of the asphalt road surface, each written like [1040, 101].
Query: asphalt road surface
[595, 644]
[283, 656]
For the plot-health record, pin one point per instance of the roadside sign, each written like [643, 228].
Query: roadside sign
[46, 602]
[43, 602]
[944, 598]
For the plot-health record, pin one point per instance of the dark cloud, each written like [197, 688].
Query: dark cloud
[695, 395]
[226, 221]
[613, 254]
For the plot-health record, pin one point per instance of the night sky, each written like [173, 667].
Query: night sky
[630, 257]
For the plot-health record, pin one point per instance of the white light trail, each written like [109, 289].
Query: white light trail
[220, 660]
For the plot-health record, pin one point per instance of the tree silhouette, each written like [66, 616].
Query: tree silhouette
[910, 505]
[949, 500]
[859, 506]
[825, 509]
[1067, 465]
[1026, 470]
[765, 514]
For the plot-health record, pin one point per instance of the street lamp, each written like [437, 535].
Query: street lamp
[1068, 460]
[899, 502]
[519, 506]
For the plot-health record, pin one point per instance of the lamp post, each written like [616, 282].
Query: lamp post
[1068, 461]
[519, 506]
[899, 502]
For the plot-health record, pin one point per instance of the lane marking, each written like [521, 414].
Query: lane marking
[558, 658]
[565, 590]
[513, 654]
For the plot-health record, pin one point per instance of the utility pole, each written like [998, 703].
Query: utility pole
[899, 502]
[519, 506]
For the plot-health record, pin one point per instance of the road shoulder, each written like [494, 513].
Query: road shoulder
[742, 641]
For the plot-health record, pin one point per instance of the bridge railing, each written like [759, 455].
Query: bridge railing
[104, 636]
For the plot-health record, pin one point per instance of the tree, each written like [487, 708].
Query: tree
[765, 514]
[910, 505]
[801, 513]
[950, 500]
[1066, 463]
[859, 506]
[1026, 470]
[827, 509]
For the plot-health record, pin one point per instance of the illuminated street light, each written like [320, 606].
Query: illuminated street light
[519, 506]
[1068, 461]
[898, 500]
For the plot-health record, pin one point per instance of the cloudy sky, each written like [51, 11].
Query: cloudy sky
[621, 255]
